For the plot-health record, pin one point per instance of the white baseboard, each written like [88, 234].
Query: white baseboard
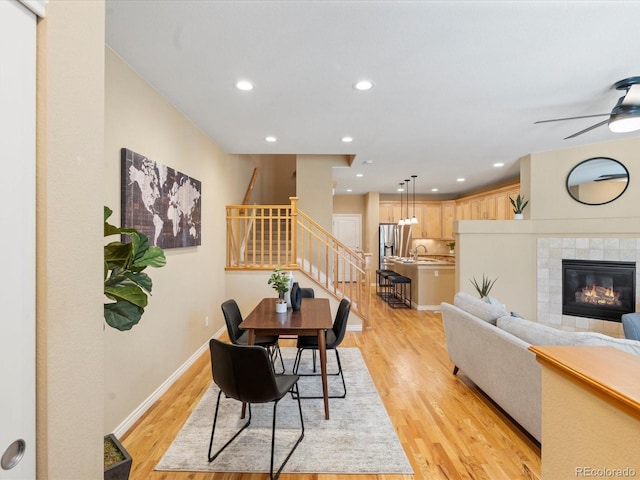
[128, 422]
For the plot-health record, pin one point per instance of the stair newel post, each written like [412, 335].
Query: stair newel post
[294, 230]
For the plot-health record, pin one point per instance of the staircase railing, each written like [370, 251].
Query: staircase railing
[262, 236]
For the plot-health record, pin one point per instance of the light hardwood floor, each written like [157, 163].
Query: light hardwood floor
[449, 429]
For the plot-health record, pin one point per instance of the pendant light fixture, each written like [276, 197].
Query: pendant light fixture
[401, 221]
[407, 221]
[414, 220]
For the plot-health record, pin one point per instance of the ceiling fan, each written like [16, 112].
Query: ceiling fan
[625, 116]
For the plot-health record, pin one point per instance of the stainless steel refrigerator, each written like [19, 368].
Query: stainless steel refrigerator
[394, 241]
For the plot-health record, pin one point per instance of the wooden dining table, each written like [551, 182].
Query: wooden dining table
[313, 318]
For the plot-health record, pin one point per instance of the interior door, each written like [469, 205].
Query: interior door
[17, 295]
[348, 229]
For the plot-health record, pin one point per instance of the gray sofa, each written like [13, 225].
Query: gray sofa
[491, 348]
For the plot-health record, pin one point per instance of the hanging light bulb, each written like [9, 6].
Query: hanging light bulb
[407, 221]
[401, 189]
[414, 220]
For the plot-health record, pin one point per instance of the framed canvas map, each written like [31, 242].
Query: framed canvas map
[160, 202]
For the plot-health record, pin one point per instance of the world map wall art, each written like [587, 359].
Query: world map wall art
[160, 202]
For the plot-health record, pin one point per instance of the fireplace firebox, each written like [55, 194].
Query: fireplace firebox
[598, 289]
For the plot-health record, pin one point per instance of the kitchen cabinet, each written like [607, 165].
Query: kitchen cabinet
[491, 205]
[432, 220]
[390, 212]
[429, 215]
[448, 216]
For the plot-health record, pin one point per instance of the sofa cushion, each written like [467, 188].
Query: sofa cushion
[599, 339]
[479, 308]
[538, 334]
[535, 333]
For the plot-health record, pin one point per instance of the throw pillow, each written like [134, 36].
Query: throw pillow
[479, 308]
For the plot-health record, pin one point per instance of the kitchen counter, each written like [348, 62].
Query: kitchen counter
[432, 280]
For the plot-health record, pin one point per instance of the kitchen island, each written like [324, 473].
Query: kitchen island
[432, 279]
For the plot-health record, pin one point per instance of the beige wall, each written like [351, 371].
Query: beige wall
[70, 126]
[314, 185]
[545, 173]
[507, 249]
[192, 285]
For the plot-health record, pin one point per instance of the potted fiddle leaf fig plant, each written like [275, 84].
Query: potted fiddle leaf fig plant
[127, 286]
[125, 282]
[518, 206]
[279, 281]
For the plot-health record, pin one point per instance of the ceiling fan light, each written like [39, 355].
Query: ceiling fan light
[627, 123]
[624, 118]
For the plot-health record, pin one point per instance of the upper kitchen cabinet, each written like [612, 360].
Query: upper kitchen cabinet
[390, 212]
[448, 216]
[491, 205]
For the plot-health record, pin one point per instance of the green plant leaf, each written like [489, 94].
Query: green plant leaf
[122, 315]
[117, 254]
[110, 229]
[153, 257]
[141, 279]
[128, 291]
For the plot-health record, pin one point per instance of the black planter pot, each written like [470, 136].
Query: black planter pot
[120, 470]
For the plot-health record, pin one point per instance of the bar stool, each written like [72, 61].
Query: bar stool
[398, 297]
[383, 285]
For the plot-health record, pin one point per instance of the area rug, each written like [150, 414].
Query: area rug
[358, 439]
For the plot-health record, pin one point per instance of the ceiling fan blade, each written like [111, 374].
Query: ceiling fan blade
[604, 122]
[572, 118]
[611, 176]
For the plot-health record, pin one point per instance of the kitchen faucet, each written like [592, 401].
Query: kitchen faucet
[415, 251]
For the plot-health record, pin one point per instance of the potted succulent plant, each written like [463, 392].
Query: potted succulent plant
[518, 206]
[483, 287]
[279, 280]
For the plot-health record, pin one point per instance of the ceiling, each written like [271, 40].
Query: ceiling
[458, 84]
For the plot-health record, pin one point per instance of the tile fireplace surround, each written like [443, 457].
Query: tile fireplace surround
[550, 253]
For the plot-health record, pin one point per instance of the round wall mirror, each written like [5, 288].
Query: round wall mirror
[597, 181]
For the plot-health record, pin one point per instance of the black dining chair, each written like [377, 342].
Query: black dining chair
[245, 373]
[308, 292]
[333, 338]
[233, 318]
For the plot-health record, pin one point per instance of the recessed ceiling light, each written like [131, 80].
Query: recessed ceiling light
[363, 85]
[359, 175]
[347, 139]
[270, 139]
[400, 189]
[460, 179]
[434, 189]
[244, 85]
[349, 190]
[499, 164]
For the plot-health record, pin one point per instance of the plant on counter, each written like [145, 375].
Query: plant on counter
[279, 280]
[451, 245]
[124, 280]
[484, 287]
[518, 204]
